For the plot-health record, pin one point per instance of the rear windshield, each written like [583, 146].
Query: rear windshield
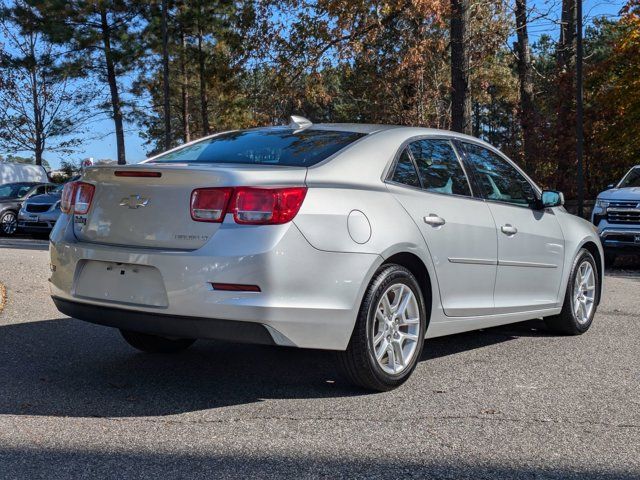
[284, 146]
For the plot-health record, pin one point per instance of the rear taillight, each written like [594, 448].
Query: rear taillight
[257, 206]
[83, 197]
[210, 204]
[66, 202]
[249, 205]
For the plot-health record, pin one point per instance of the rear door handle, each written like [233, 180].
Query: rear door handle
[509, 229]
[434, 220]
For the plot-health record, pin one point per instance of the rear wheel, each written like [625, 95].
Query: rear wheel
[8, 223]
[581, 298]
[154, 343]
[389, 333]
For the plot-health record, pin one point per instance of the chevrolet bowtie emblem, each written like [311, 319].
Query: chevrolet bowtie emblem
[134, 201]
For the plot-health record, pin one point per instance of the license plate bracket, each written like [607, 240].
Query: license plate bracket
[125, 283]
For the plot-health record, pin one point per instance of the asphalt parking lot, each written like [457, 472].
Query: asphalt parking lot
[510, 402]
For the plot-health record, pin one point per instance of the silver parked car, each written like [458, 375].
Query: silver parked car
[365, 239]
[39, 213]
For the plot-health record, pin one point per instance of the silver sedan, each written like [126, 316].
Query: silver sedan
[365, 239]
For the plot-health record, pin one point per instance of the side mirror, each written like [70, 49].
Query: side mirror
[551, 198]
[610, 186]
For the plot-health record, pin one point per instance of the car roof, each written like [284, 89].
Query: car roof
[370, 128]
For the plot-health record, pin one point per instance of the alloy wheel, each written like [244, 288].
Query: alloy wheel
[584, 292]
[396, 329]
[9, 223]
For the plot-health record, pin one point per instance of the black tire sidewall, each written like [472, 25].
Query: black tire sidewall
[392, 275]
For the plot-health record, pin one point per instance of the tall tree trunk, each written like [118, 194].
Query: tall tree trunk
[460, 98]
[184, 86]
[38, 146]
[116, 107]
[165, 75]
[525, 77]
[565, 132]
[204, 101]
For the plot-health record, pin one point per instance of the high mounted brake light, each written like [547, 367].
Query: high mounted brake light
[133, 173]
[249, 205]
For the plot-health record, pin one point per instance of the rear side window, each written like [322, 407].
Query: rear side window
[439, 167]
[274, 146]
[405, 171]
[497, 178]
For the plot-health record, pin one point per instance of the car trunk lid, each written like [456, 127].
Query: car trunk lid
[148, 205]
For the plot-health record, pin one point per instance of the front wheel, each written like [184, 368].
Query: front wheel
[8, 223]
[154, 343]
[388, 337]
[581, 297]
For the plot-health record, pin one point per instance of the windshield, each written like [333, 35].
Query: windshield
[632, 179]
[15, 190]
[274, 146]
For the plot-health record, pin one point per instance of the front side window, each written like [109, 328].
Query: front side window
[497, 178]
[272, 146]
[439, 167]
[405, 171]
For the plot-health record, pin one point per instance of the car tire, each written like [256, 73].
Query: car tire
[8, 223]
[381, 331]
[572, 320]
[155, 344]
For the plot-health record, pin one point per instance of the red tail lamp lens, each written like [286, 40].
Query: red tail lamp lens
[258, 206]
[68, 192]
[83, 197]
[210, 204]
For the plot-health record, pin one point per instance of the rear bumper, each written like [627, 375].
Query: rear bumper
[167, 325]
[309, 298]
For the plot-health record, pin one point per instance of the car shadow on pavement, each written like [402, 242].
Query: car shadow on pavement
[65, 367]
[67, 463]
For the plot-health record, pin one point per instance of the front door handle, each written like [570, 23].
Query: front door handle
[509, 229]
[434, 220]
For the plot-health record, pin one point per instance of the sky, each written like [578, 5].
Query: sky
[101, 143]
